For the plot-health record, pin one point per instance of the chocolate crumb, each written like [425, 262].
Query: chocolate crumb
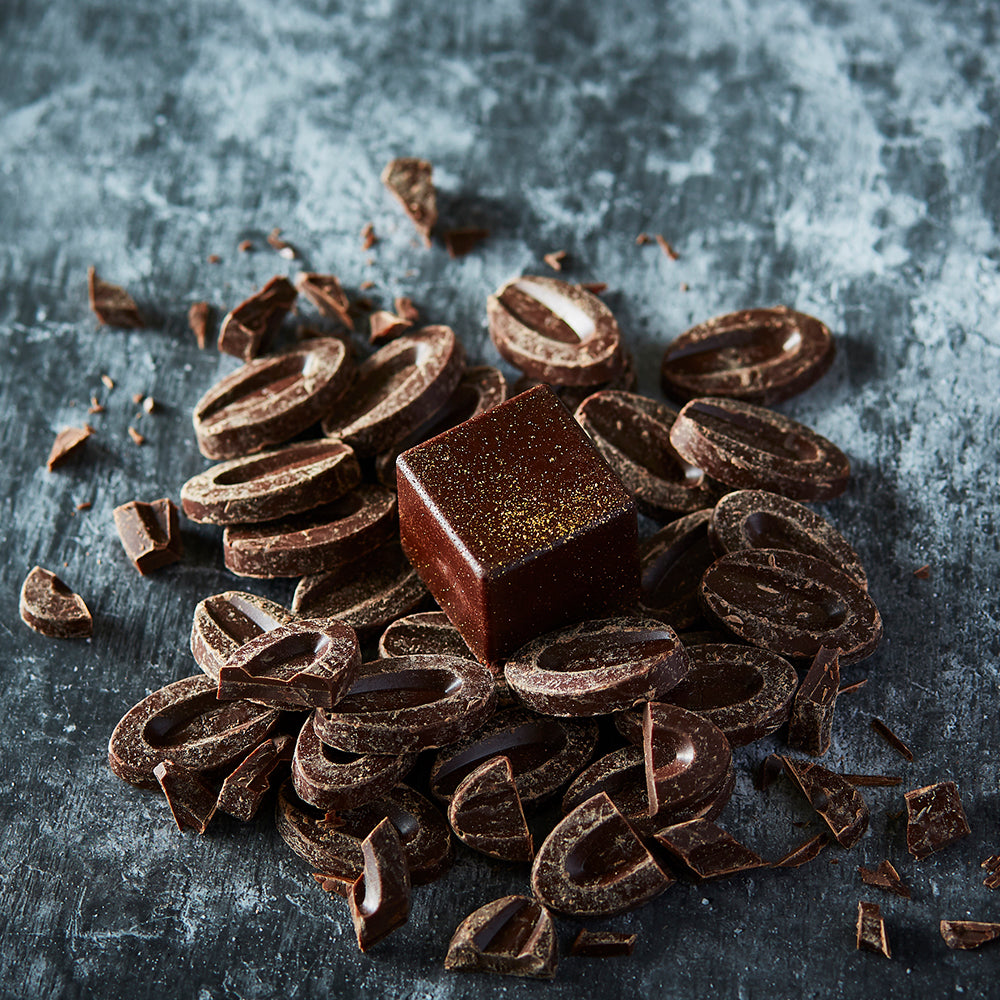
[642, 239]
[198, 317]
[284, 248]
[136, 436]
[111, 304]
[405, 308]
[84, 505]
[685, 287]
[137, 398]
[459, 242]
[884, 877]
[667, 248]
[851, 688]
[108, 381]
[555, 259]
[244, 246]
[365, 285]
[95, 406]
[594, 287]
[149, 404]
[214, 258]
[368, 237]
[923, 572]
[892, 739]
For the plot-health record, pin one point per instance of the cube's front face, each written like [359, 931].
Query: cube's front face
[517, 525]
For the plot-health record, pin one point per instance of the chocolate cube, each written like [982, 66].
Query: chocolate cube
[517, 525]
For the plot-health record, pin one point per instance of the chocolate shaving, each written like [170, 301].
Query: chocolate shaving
[198, 318]
[84, 505]
[459, 242]
[385, 326]
[892, 739]
[642, 239]
[966, 934]
[326, 294]
[213, 258]
[874, 780]
[136, 436]
[602, 944]
[884, 877]
[67, 441]
[245, 246]
[923, 572]
[555, 259]
[851, 688]
[992, 864]
[667, 248]
[594, 287]
[95, 406]
[405, 308]
[804, 853]
[284, 248]
[112, 305]
[245, 327]
[368, 237]
[871, 929]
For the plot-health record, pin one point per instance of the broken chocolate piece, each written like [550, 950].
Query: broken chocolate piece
[874, 780]
[707, 851]
[385, 326]
[892, 739]
[259, 316]
[871, 929]
[512, 936]
[199, 316]
[966, 934]
[368, 237]
[923, 572]
[884, 877]
[811, 721]
[49, 607]
[112, 305]
[326, 294]
[284, 248]
[409, 181]
[555, 259]
[245, 787]
[67, 441]
[486, 814]
[802, 854]
[662, 243]
[150, 533]
[935, 818]
[380, 899]
[602, 944]
[404, 307]
[192, 803]
[836, 800]
[992, 865]
[459, 242]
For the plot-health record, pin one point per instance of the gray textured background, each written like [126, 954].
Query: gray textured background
[837, 156]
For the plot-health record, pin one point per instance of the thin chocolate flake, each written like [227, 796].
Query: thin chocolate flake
[365, 285]
[836, 800]
[95, 406]
[84, 505]
[111, 304]
[892, 739]
[385, 326]
[213, 258]
[380, 899]
[966, 934]
[642, 239]
[851, 688]
[992, 864]
[685, 287]
[923, 572]
[459, 242]
[404, 307]
[245, 246]
[245, 327]
[67, 441]
[555, 259]
[410, 181]
[811, 721]
[804, 853]
[368, 237]
[108, 381]
[326, 294]
[707, 851]
[594, 287]
[871, 929]
[136, 436]
[137, 398]
[884, 877]
[284, 248]
[602, 944]
[192, 803]
[667, 248]
[935, 818]
[874, 780]
[198, 319]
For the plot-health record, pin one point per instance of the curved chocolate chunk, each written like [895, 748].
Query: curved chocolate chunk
[395, 390]
[686, 757]
[325, 293]
[367, 594]
[593, 865]
[245, 787]
[335, 780]
[968, 933]
[186, 723]
[836, 800]
[315, 541]
[245, 327]
[380, 899]
[423, 632]
[404, 703]
[871, 929]
[302, 665]
[274, 484]
[756, 519]
[332, 845]
[749, 447]
[633, 434]
[268, 402]
[602, 944]
[758, 355]
[672, 563]
[811, 722]
[486, 814]
[67, 441]
[49, 607]
[885, 877]
[409, 180]
[554, 331]
[746, 692]
[597, 667]
[111, 304]
[707, 851]
[935, 818]
[150, 533]
[791, 604]
[192, 803]
[480, 389]
[544, 754]
[512, 936]
[224, 622]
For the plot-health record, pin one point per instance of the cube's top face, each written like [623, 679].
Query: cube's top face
[515, 480]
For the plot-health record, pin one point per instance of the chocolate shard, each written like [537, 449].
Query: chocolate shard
[707, 851]
[486, 814]
[885, 877]
[49, 607]
[935, 818]
[966, 934]
[192, 803]
[811, 722]
[199, 316]
[67, 441]
[245, 787]
[874, 780]
[459, 242]
[512, 936]
[150, 533]
[892, 739]
[380, 898]
[871, 929]
[837, 801]
[326, 294]
[602, 944]
[245, 327]
[409, 180]
[384, 326]
[803, 854]
[992, 865]
[111, 304]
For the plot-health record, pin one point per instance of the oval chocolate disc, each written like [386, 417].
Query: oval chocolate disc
[224, 622]
[331, 779]
[367, 594]
[423, 632]
[758, 355]
[544, 753]
[395, 390]
[633, 434]
[555, 331]
[624, 380]
[749, 447]
[315, 541]
[593, 865]
[275, 484]
[404, 703]
[186, 723]
[756, 519]
[792, 604]
[597, 667]
[305, 664]
[745, 691]
[333, 846]
[269, 401]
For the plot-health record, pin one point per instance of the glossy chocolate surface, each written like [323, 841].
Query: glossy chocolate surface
[245, 327]
[423, 632]
[837, 801]
[192, 802]
[935, 818]
[486, 813]
[380, 898]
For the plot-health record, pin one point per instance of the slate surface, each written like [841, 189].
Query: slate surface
[838, 156]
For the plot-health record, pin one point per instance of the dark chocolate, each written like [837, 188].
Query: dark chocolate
[485, 813]
[706, 851]
[871, 929]
[192, 802]
[48, 606]
[803, 854]
[245, 787]
[966, 934]
[935, 818]
[325, 293]
[892, 739]
[836, 800]
[244, 328]
[423, 632]
[410, 182]
[602, 944]
[380, 898]
[150, 533]
[111, 304]
[811, 721]
[884, 877]
[67, 441]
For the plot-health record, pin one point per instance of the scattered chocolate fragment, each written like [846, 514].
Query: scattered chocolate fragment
[368, 237]
[112, 305]
[409, 180]
[108, 381]
[49, 607]
[602, 944]
[198, 319]
[871, 929]
[192, 803]
[485, 813]
[555, 259]
[892, 739]
[594, 287]
[802, 854]
[213, 258]
[512, 936]
[245, 787]
[666, 247]
[707, 851]
[404, 307]
[811, 721]
[95, 406]
[284, 248]
[769, 771]
[136, 437]
[245, 246]
[67, 441]
[966, 934]
[851, 688]
[137, 398]
[459, 242]
[84, 505]
[326, 294]
[385, 326]
[992, 865]
[923, 572]
[368, 283]
[935, 818]
[259, 316]
[874, 780]
[380, 899]
[642, 239]
[149, 404]
[885, 877]
[150, 533]
[836, 800]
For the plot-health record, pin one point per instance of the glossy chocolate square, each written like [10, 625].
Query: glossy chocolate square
[517, 524]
